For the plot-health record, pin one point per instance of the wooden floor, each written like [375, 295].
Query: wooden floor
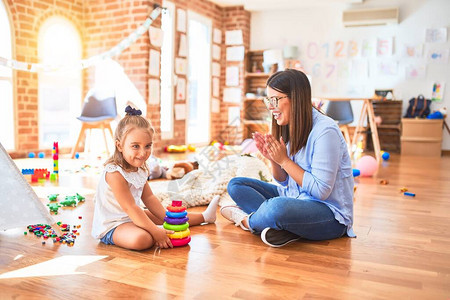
[402, 252]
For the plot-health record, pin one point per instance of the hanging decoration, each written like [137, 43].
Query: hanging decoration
[85, 63]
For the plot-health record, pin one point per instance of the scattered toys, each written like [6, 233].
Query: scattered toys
[31, 155]
[384, 181]
[356, 172]
[403, 189]
[72, 201]
[41, 154]
[409, 194]
[45, 231]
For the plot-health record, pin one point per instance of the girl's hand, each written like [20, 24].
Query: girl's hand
[276, 149]
[161, 238]
[260, 144]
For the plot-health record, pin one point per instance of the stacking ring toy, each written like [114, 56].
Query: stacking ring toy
[176, 208]
[175, 227]
[179, 234]
[176, 221]
[176, 214]
[180, 242]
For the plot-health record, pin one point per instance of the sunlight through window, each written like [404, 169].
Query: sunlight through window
[59, 91]
[64, 265]
[199, 77]
[167, 75]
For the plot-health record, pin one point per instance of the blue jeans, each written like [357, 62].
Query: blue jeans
[309, 219]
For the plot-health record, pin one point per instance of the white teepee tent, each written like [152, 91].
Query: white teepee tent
[19, 204]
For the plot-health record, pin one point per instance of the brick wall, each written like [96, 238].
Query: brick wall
[102, 24]
[234, 18]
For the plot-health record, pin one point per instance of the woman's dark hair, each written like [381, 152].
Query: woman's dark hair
[295, 85]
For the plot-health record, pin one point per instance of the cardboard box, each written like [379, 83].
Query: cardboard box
[421, 137]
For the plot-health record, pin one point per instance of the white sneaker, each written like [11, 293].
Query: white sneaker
[234, 214]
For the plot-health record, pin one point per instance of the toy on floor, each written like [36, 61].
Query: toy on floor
[55, 155]
[80, 198]
[356, 172]
[384, 181]
[68, 202]
[385, 155]
[367, 165]
[178, 170]
[53, 207]
[53, 197]
[45, 231]
[176, 219]
[179, 148]
[409, 194]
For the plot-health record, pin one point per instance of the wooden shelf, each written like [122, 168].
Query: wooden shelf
[389, 126]
[256, 115]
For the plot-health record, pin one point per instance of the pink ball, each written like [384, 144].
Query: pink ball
[367, 165]
[249, 146]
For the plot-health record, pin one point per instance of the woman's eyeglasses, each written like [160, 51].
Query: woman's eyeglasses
[272, 102]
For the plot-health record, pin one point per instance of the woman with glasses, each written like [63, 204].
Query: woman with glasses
[309, 161]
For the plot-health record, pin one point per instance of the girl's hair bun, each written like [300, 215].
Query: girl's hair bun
[132, 111]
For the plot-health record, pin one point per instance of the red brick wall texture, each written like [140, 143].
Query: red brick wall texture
[102, 24]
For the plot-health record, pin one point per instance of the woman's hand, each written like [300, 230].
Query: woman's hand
[261, 144]
[276, 150]
[161, 238]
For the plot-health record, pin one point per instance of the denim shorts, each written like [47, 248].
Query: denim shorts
[108, 237]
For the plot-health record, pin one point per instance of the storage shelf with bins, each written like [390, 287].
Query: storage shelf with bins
[256, 115]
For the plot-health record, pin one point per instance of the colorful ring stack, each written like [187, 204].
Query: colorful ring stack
[176, 219]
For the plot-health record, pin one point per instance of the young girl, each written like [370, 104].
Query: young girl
[118, 218]
[311, 163]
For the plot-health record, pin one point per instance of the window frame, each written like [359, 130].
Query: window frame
[11, 79]
[165, 135]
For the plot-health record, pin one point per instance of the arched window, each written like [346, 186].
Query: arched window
[6, 83]
[59, 45]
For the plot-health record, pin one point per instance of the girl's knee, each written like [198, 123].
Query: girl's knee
[144, 243]
[140, 241]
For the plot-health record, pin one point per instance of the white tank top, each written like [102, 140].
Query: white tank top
[107, 213]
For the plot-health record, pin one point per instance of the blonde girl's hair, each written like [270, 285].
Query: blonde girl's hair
[295, 85]
[128, 123]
